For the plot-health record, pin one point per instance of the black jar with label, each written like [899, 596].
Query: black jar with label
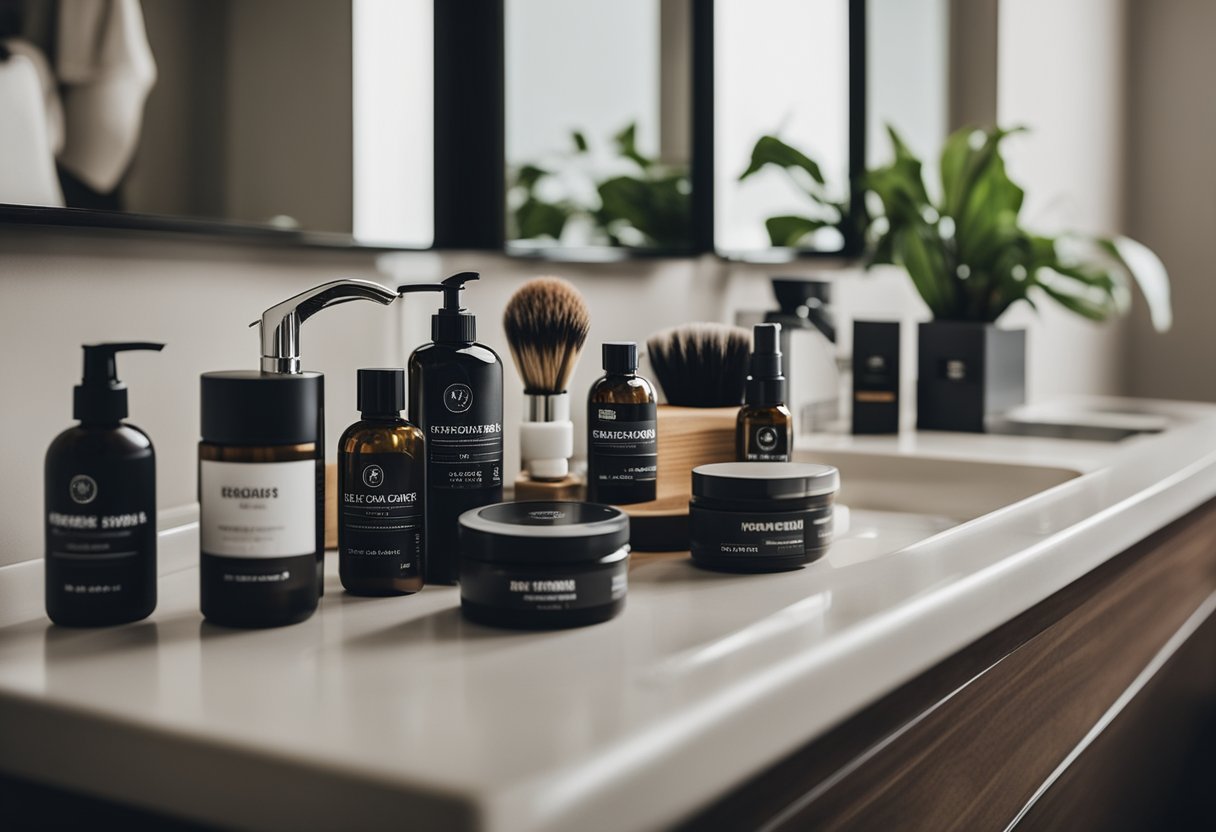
[543, 565]
[761, 516]
[381, 492]
[261, 493]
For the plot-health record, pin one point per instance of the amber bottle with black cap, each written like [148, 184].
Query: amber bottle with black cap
[381, 491]
[622, 430]
[764, 428]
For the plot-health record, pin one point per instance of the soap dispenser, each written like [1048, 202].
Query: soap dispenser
[456, 399]
[261, 476]
[100, 492]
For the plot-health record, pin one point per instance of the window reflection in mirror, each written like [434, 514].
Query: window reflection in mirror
[597, 126]
[781, 118]
[310, 115]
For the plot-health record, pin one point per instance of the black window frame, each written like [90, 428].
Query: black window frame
[470, 124]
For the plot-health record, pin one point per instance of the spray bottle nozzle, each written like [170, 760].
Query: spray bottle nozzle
[101, 397]
[452, 323]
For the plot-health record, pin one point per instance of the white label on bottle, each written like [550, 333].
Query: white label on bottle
[258, 509]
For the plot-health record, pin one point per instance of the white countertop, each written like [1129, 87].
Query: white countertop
[396, 709]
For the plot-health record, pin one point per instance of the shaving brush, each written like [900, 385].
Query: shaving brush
[546, 322]
[701, 365]
[702, 369]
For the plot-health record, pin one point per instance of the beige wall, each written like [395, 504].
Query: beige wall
[1171, 195]
[1060, 71]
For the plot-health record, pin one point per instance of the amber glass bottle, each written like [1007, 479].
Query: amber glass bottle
[381, 492]
[622, 431]
[764, 428]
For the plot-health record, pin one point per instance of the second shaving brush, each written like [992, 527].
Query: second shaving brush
[546, 322]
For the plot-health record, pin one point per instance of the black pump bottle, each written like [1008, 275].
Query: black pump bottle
[100, 481]
[456, 398]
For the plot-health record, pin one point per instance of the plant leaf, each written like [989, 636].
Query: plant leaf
[927, 272]
[790, 230]
[529, 175]
[1076, 303]
[535, 219]
[580, 141]
[770, 150]
[1146, 268]
[661, 208]
[626, 145]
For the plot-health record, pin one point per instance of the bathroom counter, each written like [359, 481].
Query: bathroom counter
[397, 708]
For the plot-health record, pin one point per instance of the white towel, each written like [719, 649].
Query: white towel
[104, 61]
[27, 163]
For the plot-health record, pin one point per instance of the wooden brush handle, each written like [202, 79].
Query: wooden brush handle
[688, 437]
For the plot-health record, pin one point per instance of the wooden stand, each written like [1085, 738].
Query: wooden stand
[688, 437]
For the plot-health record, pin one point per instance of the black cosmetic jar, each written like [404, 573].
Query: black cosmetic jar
[543, 565]
[761, 516]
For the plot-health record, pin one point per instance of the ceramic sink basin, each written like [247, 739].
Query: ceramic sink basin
[960, 490]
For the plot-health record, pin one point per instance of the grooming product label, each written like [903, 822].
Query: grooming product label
[101, 530]
[517, 587]
[769, 443]
[463, 438]
[622, 442]
[742, 535]
[258, 509]
[381, 512]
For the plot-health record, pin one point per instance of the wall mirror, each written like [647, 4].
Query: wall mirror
[598, 126]
[576, 130]
[308, 116]
[783, 120]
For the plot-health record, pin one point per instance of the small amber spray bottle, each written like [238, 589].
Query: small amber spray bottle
[764, 428]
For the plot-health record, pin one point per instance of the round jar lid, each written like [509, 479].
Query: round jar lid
[542, 532]
[764, 480]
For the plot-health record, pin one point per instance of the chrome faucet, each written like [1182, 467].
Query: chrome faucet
[280, 324]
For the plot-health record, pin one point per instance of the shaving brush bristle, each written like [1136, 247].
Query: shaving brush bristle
[546, 322]
[700, 365]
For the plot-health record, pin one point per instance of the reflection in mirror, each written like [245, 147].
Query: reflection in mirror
[781, 125]
[598, 125]
[310, 115]
[907, 78]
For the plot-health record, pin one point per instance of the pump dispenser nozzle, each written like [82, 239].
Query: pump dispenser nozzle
[280, 324]
[101, 397]
[452, 323]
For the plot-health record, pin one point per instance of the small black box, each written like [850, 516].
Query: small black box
[967, 374]
[875, 376]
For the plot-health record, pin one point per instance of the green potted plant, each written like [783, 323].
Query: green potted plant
[970, 259]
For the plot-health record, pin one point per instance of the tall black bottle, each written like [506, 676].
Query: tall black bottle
[456, 398]
[100, 481]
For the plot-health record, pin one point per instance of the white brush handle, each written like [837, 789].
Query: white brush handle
[546, 448]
